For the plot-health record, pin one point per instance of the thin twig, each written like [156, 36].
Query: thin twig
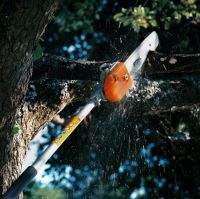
[178, 55]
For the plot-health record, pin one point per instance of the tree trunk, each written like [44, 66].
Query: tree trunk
[22, 24]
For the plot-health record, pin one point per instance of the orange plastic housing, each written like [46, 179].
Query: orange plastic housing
[117, 83]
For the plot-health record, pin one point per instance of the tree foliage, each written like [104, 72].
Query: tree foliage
[180, 19]
[160, 14]
[35, 191]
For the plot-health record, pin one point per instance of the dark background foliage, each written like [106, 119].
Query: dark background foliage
[116, 154]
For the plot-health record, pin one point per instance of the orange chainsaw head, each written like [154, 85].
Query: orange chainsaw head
[117, 83]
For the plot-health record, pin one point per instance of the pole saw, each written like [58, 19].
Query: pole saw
[117, 81]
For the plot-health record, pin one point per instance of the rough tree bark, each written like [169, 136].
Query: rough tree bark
[22, 24]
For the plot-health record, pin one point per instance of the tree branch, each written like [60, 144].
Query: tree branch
[45, 99]
[157, 66]
[152, 96]
[166, 66]
[56, 67]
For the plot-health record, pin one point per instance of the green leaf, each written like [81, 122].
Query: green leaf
[118, 15]
[16, 130]
[162, 4]
[154, 23]
[37, 54]
[188, 2]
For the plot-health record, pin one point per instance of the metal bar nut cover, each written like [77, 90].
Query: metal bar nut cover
[117, 83]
